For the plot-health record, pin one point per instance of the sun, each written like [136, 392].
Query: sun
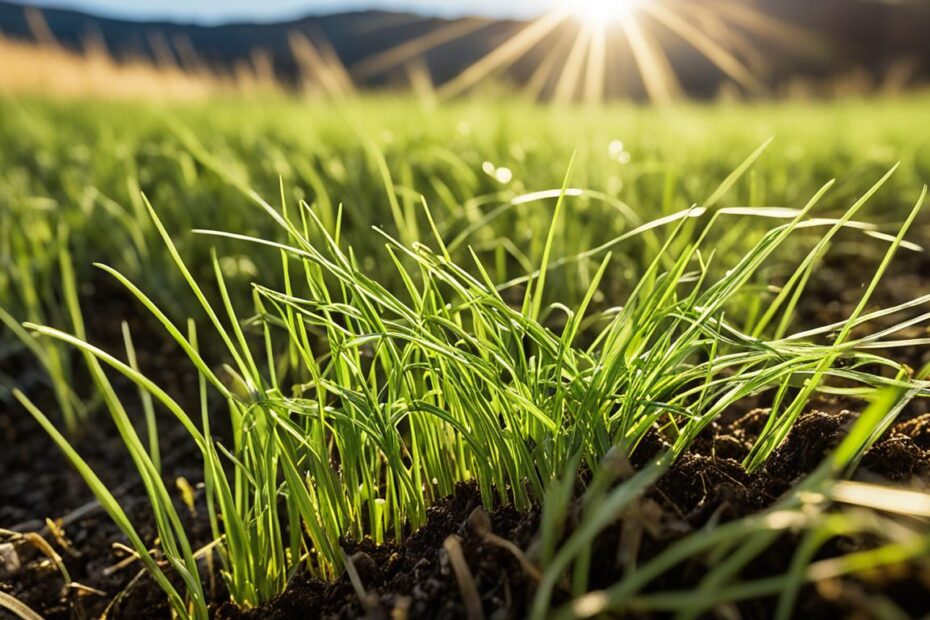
[599, 13]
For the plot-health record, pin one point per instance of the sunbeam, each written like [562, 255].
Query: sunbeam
[506, 54]
[415, 47]
[580, 48]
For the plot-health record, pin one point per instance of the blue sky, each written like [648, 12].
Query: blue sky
[216, 11]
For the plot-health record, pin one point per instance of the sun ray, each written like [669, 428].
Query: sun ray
[568, 82]
[417, 47]
[742, 44]
[505, 55]
[578, 62]
[714, 25]
[546, 70]
[711, 50]
[759, 24]
[655, 70]
[597, 66]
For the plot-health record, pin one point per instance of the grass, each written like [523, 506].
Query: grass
[732, 546]
[365, 372]
[364, 154]
[445, 382]
[44, 69]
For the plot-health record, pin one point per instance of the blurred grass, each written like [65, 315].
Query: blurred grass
[50, 69]
[72, 174]
[84, 163]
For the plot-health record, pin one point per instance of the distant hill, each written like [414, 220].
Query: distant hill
[878, 40]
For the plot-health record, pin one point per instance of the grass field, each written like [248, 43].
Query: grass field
[338, 313]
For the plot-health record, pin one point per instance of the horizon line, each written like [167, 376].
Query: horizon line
[330, 8]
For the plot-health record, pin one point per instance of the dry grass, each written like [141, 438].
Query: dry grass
[44, 67]
[48, 69]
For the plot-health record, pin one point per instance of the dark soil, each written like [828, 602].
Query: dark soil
[39, 482]
[415, 579]
[415, 576]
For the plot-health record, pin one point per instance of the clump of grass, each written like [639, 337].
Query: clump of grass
[353, 406]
